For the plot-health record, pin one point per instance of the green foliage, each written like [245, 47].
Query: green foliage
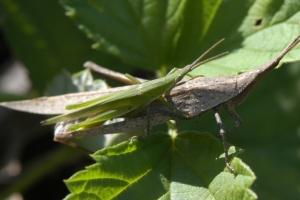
[46, 41]
[186, 166]
[155, 34]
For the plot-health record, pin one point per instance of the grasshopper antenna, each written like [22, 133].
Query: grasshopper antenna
[209, 59]
[288, 48]
[205, 53]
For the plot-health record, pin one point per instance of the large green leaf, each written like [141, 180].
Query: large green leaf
[154, 34]
[186, 166]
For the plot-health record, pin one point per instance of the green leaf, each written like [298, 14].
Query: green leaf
[251, 43]
[186, 166]
[154, 34]
[144, 33]
[46, 41]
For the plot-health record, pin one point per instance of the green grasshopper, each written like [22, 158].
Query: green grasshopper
[132, 100]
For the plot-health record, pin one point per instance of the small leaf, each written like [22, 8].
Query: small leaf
[85, 82]
[186, 166]
[61, 84]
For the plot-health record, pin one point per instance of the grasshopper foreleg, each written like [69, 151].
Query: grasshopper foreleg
[223, 135]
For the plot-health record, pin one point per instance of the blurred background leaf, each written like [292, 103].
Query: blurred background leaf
[46, 41]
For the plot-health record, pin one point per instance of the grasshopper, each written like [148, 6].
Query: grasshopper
[199, 95]
[192, 96]
[132, 100]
